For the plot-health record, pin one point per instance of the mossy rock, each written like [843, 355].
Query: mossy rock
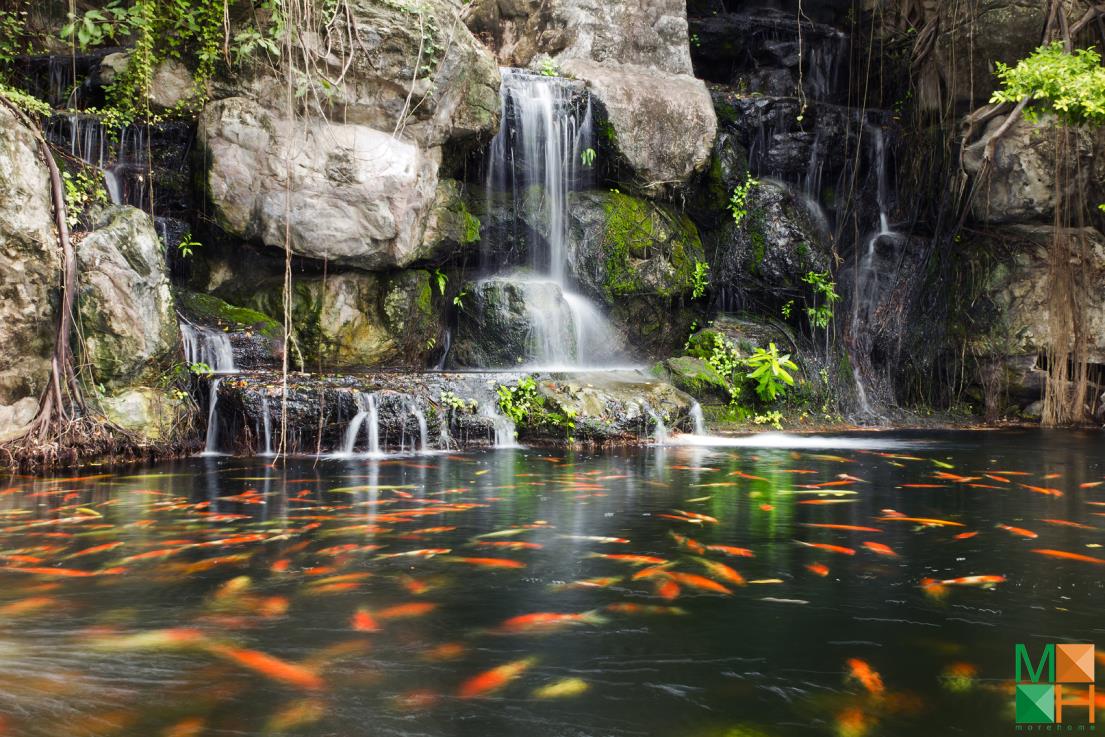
[210, 310]
[623, 245]
[696, 377]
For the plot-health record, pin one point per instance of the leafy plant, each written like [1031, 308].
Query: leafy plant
[1070, 86]
[187, 245]
[773, 418]
[770, 370]
[458, 301]
[441, 279]
[200, 369]
[548, 68]
[821, 315]
[83, 190]
[519, 401]
[700, 279]
[456, 404]
[738, 201]
[588, 157]
[786, 309]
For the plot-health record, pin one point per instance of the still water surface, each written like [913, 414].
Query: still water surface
[220, 596]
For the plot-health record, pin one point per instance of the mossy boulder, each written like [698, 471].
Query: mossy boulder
[696, 377]
[127, 312]
[154, 415]
[626, 246]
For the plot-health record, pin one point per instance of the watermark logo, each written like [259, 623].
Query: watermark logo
[1069, 682]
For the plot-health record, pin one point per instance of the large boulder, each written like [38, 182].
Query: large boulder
[127, 312]
[619, 31]
[622, 246]
[30, 272]
[1022, 185]
[664, 124]
[362, 187]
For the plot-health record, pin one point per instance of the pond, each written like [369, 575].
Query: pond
[870, 584]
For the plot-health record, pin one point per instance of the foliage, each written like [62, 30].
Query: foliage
[738, 202]
[700, 279]
[458, 301]
[456, 404]
[200, 369]
[1071, 86]
[823, 286]
[769, 370]
[519, 401]
[24, 101]
[441, 280]
[548, 68]
[773, 418]
[588, 157]
[12, 44]
[524, 406]
[83, 190]
[722, 356]
[187, 245]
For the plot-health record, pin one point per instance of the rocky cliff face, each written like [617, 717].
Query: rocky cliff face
[30, 275]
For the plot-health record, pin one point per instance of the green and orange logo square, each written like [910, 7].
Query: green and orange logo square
[1070, 683]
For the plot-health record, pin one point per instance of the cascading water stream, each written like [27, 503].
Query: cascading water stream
[547, 127]
[423, 431]
[367, 417]
[266, 424]
[212, 348]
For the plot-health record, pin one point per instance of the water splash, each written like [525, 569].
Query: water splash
[211, 446]
[207, 346]
[266, 423]
[698, 419]
[367, 417]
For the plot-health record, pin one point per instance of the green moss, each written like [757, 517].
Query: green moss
[471, 230]
[210, 309]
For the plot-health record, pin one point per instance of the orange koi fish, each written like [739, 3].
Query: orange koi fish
[818, 568]
[492, 680]
[694, 581]
[1042, 490]
[406, 611]
[668, 589]
[634, 560]
[94, 550]
[995, 477]
[867, 676]
[966, 535]
[508, 545]
[831, 548]
[1069, 556]
[926, 521]
[270, 666]
[486, 562]
[851, 528]
[590, 583]
[65, 572]
[721, 571]
[26, 606]
[1018, 531]
[697, 516]
[547, 621]
[1068, 523]
[730, 550]
[750, 477]
[985, 580]
[1091, 484]
[687, 543]
[880, 549]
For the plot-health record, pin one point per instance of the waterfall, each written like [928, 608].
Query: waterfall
[266, 418]
[423, 431]
[211, 447]
[547, 126]
[447, 344]
[367, 417]
[868, 286]
[698, 418]
[207, 346]
[660, 431]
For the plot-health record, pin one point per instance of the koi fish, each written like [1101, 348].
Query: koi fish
[1091, 484]
[880, 549]
[547, 621]
[633, 560]
[424, 553]
[687, 543]
[406, 611]
[721, 571]
[966, 535]
[694, 581]
[1064, 555]
[508, 545]
[1042, 490]
[819, 569]
[492, 680]
[985, 580]
[26, 606]
[868, 677]
[697, 516]
[1018, 531]
[1068, 523]
[668, 589]
[831, 548]
[486, 562]
[597, 539]
[730, 550]
[590, 583]
[269, 666]
[926, 521]
[64, 572]
[851, 528]
[750, 477]
[562, 689]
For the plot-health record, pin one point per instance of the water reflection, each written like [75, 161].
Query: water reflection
[661, 591]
